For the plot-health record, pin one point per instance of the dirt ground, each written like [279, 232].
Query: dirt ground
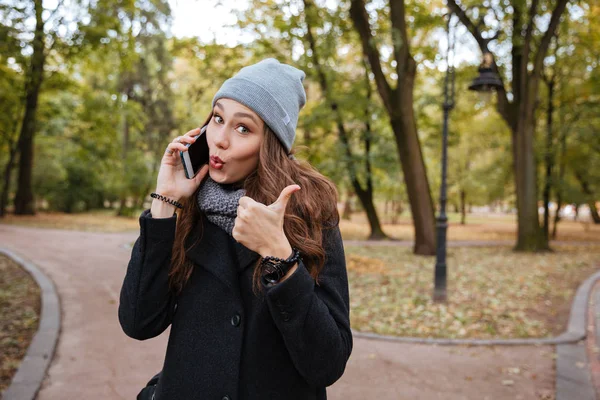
[20, 311]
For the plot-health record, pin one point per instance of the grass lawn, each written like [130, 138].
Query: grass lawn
[492, 292]
[20, 310]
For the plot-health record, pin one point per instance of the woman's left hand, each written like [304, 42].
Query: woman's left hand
[260, 227]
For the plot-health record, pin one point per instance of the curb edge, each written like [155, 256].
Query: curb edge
[28, 379]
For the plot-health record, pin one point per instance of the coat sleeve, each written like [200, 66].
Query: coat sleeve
[146, 305]
[314, 319]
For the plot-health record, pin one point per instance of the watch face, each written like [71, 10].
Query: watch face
[273, 271]
[273, 267]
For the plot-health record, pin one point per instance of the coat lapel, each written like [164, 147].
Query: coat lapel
[219, 253]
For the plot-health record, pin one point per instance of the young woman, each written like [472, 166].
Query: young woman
[250, 273]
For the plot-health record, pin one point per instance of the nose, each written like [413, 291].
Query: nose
[221, 139]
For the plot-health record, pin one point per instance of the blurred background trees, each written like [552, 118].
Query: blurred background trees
[91, 93]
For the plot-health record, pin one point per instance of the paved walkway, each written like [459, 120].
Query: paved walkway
[95, 360]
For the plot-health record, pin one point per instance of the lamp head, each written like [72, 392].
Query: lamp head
[487, 80]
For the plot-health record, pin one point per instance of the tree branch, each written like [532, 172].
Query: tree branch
[399, 36]
[547, 38]
[466, 21]
[530, 23]
[361, 22]
[58, 6]
[526, 48]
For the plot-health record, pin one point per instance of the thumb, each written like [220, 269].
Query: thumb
[281, 202]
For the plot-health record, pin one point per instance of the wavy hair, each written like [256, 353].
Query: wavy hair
[308, 211]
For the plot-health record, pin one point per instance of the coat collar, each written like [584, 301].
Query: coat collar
[218, 252]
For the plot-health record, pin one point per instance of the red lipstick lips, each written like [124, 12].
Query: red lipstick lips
[216, 162]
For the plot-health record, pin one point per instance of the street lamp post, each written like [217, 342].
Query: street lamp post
[486, 82]
[439, 292]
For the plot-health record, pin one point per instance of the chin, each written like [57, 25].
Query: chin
[218, 177]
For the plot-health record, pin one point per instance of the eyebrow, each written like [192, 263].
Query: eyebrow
[239, 114]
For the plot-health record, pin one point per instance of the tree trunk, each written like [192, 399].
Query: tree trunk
[348, 207]
[24, 202]
[594, 212]
[549, 159]
[589, 194]
[417, 184]
[561, 174]
[396, 211]
[556, 215]
[386, 209]
[123, 197]
[7, 178]
[530, 237]
[463, 207]
[399, 208]
[366, 200]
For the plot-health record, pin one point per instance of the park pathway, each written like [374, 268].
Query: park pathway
[96, 360]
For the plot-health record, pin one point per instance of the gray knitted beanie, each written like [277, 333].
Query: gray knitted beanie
[272, 90]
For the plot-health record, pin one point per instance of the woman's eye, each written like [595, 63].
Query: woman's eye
[244, 128]
[218, 119]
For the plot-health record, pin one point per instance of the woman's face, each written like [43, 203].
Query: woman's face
[234, 134]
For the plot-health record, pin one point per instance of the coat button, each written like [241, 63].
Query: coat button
[235, 321]
[225, 398]
[286, 316]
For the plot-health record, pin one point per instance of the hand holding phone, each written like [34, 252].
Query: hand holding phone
[174, 183]
[196, 156]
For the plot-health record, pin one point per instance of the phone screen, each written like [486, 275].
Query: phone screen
[196, 156]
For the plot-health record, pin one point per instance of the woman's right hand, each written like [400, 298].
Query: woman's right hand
[171, 181]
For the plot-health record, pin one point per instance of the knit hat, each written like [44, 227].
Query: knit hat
[272, 90]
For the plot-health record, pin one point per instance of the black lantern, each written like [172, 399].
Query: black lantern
[487, 80]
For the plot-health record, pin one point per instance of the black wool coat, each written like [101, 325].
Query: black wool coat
[226, 343]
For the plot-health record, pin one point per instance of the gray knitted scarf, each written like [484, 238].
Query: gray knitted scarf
[220, 202]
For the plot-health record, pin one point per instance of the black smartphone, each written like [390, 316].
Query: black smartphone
[196, 155]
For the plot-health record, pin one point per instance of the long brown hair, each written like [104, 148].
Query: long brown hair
[309, 210]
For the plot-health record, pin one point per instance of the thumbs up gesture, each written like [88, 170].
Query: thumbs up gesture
[260, 227]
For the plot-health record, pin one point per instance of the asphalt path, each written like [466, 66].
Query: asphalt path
[96, 360]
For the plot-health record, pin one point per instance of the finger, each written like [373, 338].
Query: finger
[193, 132]
[285, 196]
[245, 201]
[241, 212]
[186, 139]
[175, 147]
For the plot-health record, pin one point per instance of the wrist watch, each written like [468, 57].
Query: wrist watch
[275, 268]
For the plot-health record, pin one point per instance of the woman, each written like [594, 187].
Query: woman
[250, 273]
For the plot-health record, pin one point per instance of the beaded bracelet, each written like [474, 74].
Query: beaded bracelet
[165, 199]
